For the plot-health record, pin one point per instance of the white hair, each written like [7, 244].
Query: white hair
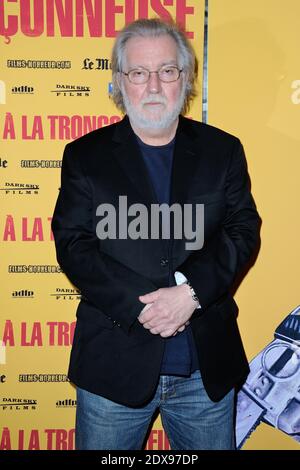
[153, 28]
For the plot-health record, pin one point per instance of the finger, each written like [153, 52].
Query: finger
[154, 331]
[182, 328]
[145, 315]
[150, 297]
[150, 325]
[147, 306]
[167, 333]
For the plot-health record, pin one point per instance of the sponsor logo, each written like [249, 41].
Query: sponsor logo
[22, 90]
[40, 163]
[38, 64]
[96, 64]
[2, 377]
[66, 294]
[24, 189]
[17, 404]
[72, 90]
[43, 378]
[67, 403]
[34, 269]
[24, 294]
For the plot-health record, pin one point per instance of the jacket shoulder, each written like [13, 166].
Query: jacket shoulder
[102, 135]
[208, 132]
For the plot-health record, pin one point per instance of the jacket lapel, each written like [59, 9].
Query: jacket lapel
[127, 154]
[185, 161]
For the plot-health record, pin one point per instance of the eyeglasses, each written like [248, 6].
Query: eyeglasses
[167, 74]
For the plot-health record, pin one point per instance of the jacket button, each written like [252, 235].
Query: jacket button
[164, 262]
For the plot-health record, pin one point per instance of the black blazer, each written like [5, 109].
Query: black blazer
[112, 354]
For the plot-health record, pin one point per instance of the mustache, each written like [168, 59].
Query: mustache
[154, 99]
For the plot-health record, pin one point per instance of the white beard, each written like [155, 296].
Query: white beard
[161, 121]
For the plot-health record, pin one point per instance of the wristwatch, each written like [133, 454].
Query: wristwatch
[194, 295]
[181, 279]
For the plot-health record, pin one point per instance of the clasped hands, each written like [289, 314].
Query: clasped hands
[167, 310]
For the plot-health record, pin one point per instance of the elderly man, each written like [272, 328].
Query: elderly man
[156, 325]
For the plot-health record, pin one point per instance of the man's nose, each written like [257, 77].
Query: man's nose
[154, 83]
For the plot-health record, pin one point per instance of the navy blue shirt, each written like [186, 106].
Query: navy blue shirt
[180, 357]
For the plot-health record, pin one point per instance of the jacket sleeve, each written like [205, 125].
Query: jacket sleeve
[103, 281]
[213, 269]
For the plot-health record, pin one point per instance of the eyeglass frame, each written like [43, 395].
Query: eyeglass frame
[153, 71]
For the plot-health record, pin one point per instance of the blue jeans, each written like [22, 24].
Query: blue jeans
[190, 419]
